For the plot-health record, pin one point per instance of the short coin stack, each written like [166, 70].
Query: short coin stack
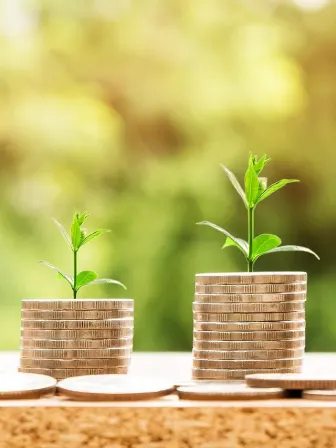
[65, 338]
[248, 323]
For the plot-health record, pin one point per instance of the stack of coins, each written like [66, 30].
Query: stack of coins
[248, 323]
[65, 338]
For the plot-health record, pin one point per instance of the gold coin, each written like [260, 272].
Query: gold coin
[75, 314]
[77, 334]
[250, 326]
[229, 374]
[78, 304]
[248, 354]
[251, 278]
[281, 307]
[249, 345]
[76, 343]
[246, 363]
[227, 392]
[114, 388]
[293, 382]
[251, 289]
[243, 317]
[15, 386]
[66, 373]
[248, 335]
[250, 298]
[320, 395]
[95, 363]
[77, 324]
[77, 353]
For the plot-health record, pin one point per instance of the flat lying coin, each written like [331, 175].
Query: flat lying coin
[248, 335]
[293, 382]
[251, 326]
[25, 385]
[78, 324]
[281, 307]
[253, 317]
[247, 363]
[249, 345]
[249, 289]
[227, 392]
[229, 374]
[76, 343]
[78, 304]
[77, 334]
[66, 373]
[76, 314]
[248, 354]
[320, 395]
[250, 298]
[95, 363]
[77, 353]
[246, 278]
[114, 388]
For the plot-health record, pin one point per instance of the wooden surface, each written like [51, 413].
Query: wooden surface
[168, 422]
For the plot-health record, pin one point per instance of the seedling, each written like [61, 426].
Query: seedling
[256, 191]
[79, 237]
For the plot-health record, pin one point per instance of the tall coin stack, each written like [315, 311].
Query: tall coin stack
[64, 338]
[248, 323]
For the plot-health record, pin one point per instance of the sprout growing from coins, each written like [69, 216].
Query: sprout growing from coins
[79, 237]
[256, 191]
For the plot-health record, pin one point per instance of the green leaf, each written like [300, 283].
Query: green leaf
[107, 280]
[84, 278]
[81, 217]
[93, 235]
[236, 240]
[67, 277]
[235, 183]
[293, 249]
[63, 232]
[251, 186]
[275, 187]
[76, 233]
[260, 165]
[263, 244]
[243, 244]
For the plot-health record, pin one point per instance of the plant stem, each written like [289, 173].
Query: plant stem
[75, 274]
[250, 238]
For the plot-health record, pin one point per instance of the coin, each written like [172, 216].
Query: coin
[78, 304]
[227, 392]
[250, 298]
[75, 314]
[246, 278]
[75, 343]
[243, 317]
[229, 374]
[14, 386]
[248, 354]
[249, 289]
[294, 382]
[246, 363]
[281, 307]
[77, 353]
[249, 345]
[251, 326]
[248, 335]
[74, 334]
[78, 363]
[114, 388]
[77, 324]
[321, 395]
[66, 373]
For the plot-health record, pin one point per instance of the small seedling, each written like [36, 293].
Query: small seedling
[79, 237]
[256, 191]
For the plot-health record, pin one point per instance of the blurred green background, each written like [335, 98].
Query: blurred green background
[126, 109]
